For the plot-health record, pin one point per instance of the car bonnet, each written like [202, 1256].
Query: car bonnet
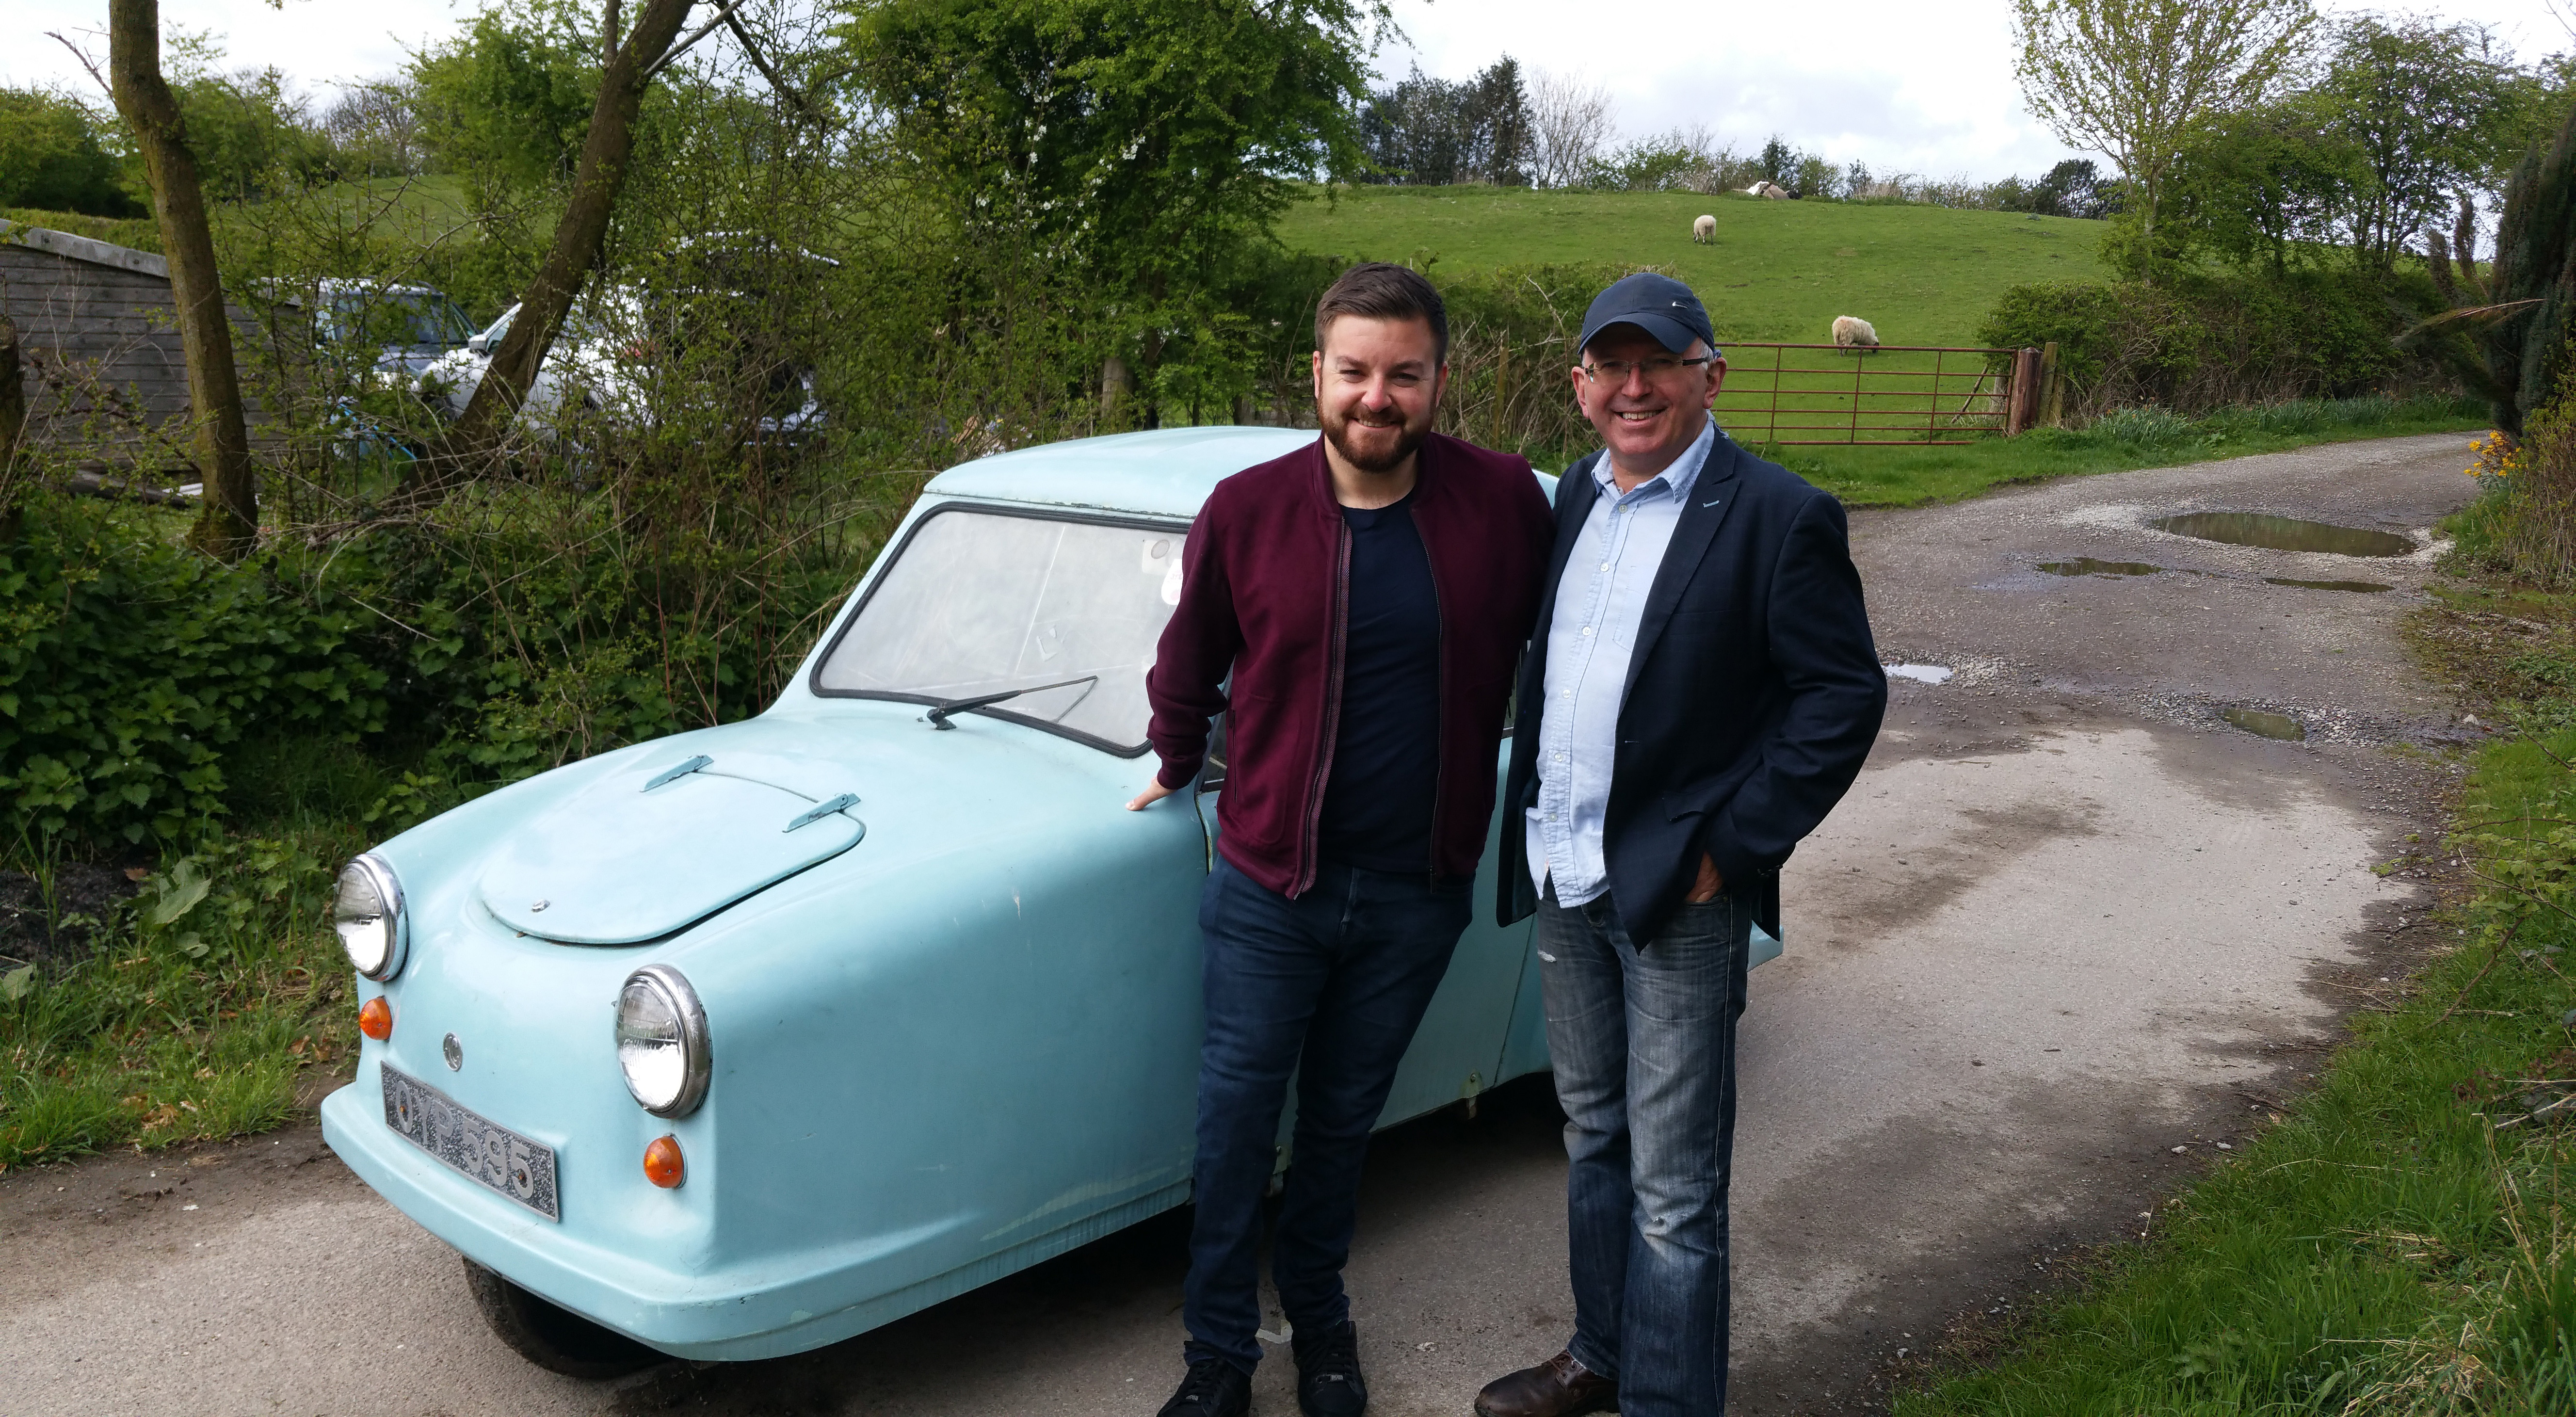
[663, 840]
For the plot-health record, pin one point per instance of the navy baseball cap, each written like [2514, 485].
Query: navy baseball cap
[1660, 305]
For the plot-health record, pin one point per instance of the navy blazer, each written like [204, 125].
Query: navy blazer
[1754, 694]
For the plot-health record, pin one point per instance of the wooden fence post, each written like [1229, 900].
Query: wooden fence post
[2023, 402]
[2052, 394]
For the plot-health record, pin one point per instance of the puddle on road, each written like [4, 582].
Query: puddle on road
[2087, 566]
[2270, 725]
[2285, 534]
[1919, 673]
[2357, 587]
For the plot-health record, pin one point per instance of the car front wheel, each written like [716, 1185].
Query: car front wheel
[552, 1337]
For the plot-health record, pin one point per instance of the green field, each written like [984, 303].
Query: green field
[1778, 271]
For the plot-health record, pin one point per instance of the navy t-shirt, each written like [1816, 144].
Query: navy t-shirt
[1386, 752]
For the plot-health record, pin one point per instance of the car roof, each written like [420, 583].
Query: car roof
[1168, 472]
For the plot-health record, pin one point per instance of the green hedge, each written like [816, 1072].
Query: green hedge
[2204, 341]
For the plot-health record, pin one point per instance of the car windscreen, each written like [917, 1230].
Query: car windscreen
[987, 602]
[397, 319]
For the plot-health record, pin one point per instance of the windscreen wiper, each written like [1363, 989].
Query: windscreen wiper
[939, 712]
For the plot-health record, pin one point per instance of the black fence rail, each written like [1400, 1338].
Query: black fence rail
[1918, 395]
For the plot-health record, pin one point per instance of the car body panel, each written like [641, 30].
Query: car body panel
[963, 1042]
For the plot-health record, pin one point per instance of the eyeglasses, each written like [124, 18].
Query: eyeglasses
[1616, 371]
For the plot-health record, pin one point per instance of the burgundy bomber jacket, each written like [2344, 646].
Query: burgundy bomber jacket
[1265, 575]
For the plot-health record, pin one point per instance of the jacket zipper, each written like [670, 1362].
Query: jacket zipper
[1440, 733]
[1311, 845]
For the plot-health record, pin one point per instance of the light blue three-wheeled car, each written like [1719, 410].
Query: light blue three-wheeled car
[747, 1040]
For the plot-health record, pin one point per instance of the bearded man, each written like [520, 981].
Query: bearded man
[1356, 609]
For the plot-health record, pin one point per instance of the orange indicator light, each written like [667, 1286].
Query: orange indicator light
[376, 1019]
[662, 1162]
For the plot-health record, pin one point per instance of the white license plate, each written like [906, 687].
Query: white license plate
[480, 1150]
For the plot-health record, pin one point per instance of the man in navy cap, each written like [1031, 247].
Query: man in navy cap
[1701, 690]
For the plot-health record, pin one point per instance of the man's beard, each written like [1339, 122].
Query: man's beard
[1337, 428]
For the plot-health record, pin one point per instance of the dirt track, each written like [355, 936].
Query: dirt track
[2068, 922]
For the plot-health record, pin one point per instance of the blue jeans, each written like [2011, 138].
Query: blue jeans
[1329, 986]
[1644, 1044]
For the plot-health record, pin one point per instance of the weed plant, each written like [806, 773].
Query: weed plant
[199, 1006]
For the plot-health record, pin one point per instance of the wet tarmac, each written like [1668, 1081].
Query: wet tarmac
[1921, 673]
[2355, 587]
[2088, 566]
[2278, 533]
[2266, 723]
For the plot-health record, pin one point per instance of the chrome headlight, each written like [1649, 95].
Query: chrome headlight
[368, 914]
[662, 1041]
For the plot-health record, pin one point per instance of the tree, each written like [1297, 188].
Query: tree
[599, 174]
[509, 102]
[1141, 142]
[2073, 188]
[1570, 123]
[1431, 132]
[2510, 343]
[2133, 78]
[228, 521]
[51, 157]
[2257, 184]
[2425, 109]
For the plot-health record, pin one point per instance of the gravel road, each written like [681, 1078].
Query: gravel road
[2070, 933]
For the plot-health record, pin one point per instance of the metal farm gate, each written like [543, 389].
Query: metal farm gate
[1917, 395]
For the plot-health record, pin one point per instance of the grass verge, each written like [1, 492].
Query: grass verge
[2400, 1239]
[2133, 438]
[190, 1004]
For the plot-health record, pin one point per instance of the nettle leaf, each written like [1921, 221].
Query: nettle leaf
[181, 888]
[17, 983]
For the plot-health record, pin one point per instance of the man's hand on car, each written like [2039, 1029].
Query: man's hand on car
[1154, 792]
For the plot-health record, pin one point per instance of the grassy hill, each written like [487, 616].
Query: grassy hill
[1777, 270]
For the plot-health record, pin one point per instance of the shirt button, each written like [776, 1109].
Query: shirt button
[1560, 757]
[1605, 565]
[1587, 629]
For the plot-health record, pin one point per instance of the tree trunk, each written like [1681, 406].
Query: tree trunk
[597, 181]
[219, 438]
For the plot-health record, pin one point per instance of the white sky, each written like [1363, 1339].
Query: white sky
[1911, 86]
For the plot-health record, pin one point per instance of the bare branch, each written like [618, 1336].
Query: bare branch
[693, 36]
[760, 61]
[85, 61]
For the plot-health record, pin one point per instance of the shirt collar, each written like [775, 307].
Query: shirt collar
[1676, 477]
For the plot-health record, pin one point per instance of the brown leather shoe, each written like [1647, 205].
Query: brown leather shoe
[1559, 1387]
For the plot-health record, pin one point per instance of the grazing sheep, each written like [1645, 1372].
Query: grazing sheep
[1704, 230]
[1853, 333]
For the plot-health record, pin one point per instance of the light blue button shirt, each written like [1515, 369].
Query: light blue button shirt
[1600, 601]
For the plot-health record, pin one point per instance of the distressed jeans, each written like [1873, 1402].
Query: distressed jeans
[1329, 986]
[1644, 1045]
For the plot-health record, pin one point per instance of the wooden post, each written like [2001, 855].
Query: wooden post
[1117, 385]
[2022, 402]
[2052, 394]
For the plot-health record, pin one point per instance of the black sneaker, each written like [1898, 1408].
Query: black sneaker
[1213, 1387]
[1328, 1373]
